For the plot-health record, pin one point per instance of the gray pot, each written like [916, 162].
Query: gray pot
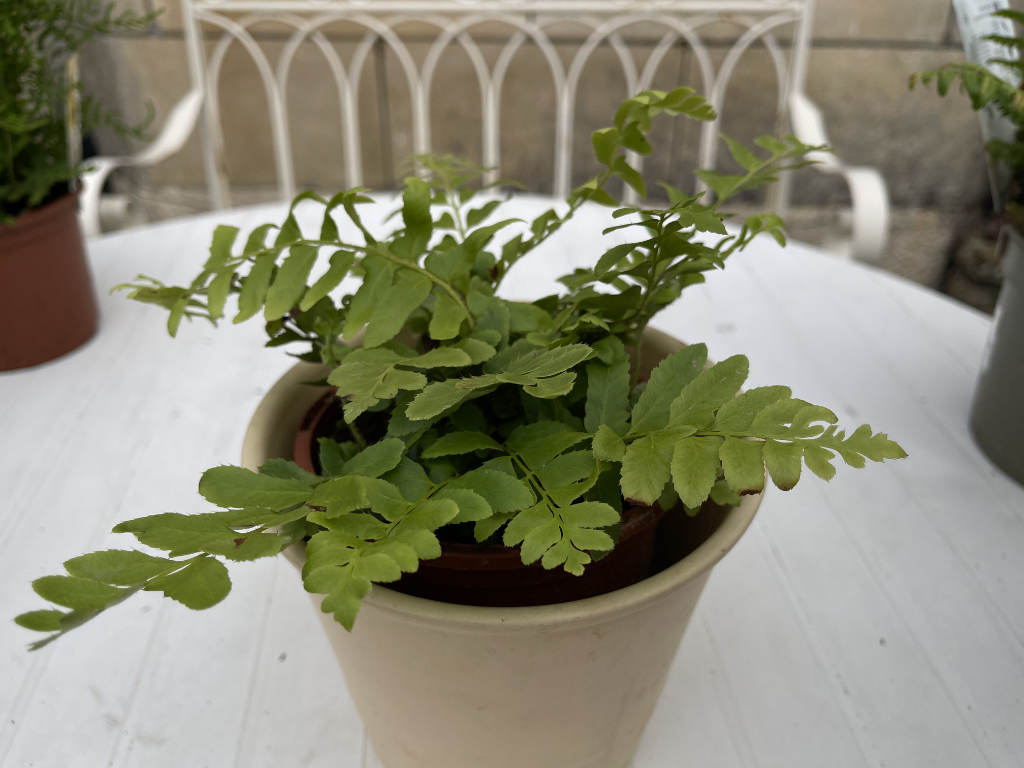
[997, 413]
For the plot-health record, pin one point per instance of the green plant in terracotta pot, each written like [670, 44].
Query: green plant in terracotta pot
[46, 303]
[614, 464]
[997, 412]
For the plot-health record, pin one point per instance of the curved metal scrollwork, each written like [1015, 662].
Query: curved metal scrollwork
[601, 23]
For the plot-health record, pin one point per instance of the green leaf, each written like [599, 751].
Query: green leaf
[289, 231]
[252, 546]
[607, 396]
[772, 420]
[368, 375]
[529, 519]
[290, 282]
[567, 469]
[783, 463]
[332, 456]
[430, 514]
[214, 533]
[217, 293]
[344, 600]
[257, 239]
[712, 388]
[255, 285]
[606, 143]
[561, 536]
[478, 351]
[538, 540]
[472, 506]
[371, 294]
[220, 247]
[725, 496]
[550, 362]
[743, 463]
[439, 357]
[386, 500]
[667, 380]
[340, 495]
[410, 289]
[569, 557]
[629, 175]
[328, 570]
[377, 567]
[819, 461]
[236, 487]
[591, 514]
[120, 567]
[738, 414]
[551, 386]
[613, 258]
[694, 467]
[645, 470]
[375, 460]
[41, 621]
[608, 446]
[287, 470]
[328, 229]
[476, 215]
[526, 318]
[481, 236]
[76, 593]
[492, 315]
[451, 261]
[340, 264]
[876, 447]
[456, 443]
[504, 493]
[435, 399]
[743, 156]
[179, 534]
[447, 317]
[176, 315]
[202, 583]
[805, 420]
[541, 441]
[410, 478]
[416, 211]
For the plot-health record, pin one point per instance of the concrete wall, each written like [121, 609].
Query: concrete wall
[929, 149]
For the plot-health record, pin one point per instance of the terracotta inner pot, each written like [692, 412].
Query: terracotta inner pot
[47, 304]
[494, 575]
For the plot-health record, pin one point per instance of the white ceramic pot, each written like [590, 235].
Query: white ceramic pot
[557, 686]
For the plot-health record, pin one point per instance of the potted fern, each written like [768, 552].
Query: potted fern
[997, 414]
[614, 464]
[47, 306]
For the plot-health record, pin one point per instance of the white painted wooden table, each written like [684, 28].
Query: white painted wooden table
[874, 621]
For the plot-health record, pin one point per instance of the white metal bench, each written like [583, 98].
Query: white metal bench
[783, 27]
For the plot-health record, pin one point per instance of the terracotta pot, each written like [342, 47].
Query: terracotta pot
[47, 304]
[551, 686]
[475, 574]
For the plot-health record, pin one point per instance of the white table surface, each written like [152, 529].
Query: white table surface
[877, 620]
